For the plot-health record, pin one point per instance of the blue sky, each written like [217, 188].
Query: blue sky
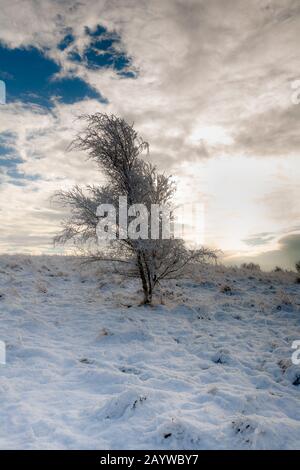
[209, 85]
[31, 76]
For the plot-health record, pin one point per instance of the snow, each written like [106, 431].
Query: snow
[207, 367]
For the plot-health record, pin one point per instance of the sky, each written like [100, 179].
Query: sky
[213, 86]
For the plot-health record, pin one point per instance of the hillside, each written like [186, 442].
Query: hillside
[208, 366]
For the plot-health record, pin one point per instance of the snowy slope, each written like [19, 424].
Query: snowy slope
[89, 368]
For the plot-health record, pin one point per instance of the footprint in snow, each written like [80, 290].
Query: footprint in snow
[85, 360]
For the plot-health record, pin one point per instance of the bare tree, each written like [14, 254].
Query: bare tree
[117, 149]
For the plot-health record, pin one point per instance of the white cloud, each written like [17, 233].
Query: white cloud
[213, 86]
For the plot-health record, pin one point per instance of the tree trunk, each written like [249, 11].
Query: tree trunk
[146, 288]
[149, 280]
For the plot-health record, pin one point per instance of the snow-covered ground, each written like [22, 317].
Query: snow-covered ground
[209, 368]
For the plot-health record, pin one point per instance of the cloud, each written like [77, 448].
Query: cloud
[285, 255]
[272, 132]
[206, 83]
[259, 239]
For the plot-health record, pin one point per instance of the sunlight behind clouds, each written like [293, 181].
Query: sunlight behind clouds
[242, 196]
[211, 135]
